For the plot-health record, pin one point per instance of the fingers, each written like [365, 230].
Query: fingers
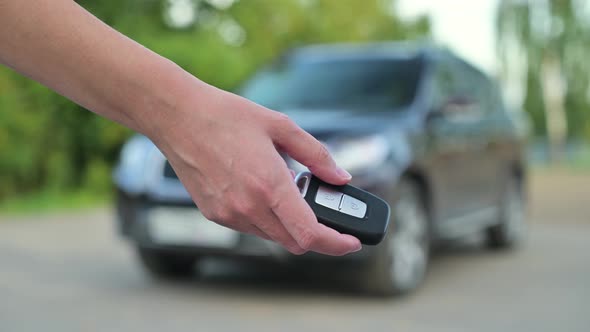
[273, 229]
[304, 148]
[302, 225]
[261, 222]
[253, 230]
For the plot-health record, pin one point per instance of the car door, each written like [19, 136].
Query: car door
[486, 181]
[456, 144]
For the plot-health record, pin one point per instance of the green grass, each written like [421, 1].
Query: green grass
[583, 161]
[579, 165]
[53, 201]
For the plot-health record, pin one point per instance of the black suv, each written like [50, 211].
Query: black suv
[412, 123]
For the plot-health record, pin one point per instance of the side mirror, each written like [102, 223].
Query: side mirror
[453, 107]
[458, 104]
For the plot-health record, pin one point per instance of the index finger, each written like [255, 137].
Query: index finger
[300, 221]
[303, 147]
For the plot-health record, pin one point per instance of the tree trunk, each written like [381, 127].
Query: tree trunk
[553, 99]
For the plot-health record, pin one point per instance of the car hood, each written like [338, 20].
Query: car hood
[140, 168]
[320, 122]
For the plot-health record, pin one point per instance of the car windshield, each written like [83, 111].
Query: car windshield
[368, 84]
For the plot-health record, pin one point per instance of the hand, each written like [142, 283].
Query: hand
[224, 150]
[223, 147]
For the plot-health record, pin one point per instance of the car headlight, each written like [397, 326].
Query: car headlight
[137, 156]
[134, 153]
[359, 153]
[354, 154]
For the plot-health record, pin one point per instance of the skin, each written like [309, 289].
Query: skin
[224, 148]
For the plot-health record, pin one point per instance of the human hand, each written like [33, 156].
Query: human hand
[224, 149]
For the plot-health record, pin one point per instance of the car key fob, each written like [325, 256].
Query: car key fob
[346, 208]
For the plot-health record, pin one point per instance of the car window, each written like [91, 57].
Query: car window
[479, 88]
[454, 79]
[494, 98]
[367, 84]
[446, 83]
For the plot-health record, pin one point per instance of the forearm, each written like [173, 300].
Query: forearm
[59, 44]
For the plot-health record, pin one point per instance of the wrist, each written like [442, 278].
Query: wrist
[157, 108]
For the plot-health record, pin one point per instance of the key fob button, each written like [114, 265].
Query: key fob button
[353, 207]
[328, 197]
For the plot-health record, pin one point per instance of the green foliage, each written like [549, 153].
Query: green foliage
[48, 143]
[554, 28]
[47, 201]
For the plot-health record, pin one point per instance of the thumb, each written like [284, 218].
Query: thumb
[304, 148]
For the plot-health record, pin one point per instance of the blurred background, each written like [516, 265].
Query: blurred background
[64, 268]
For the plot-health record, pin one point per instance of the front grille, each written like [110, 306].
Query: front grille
[169, 171]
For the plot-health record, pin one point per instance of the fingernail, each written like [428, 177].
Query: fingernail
[360, 247]
[343, 173]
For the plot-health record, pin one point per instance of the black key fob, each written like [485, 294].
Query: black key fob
[347, 209]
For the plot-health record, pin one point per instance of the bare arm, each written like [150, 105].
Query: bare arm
[222, 146]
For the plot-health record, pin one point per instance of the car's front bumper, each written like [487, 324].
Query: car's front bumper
[133, 212]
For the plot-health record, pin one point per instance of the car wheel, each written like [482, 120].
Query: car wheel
[166, 265]
[512, 226]
[401, 260]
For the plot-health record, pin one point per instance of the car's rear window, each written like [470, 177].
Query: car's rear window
[369, 84]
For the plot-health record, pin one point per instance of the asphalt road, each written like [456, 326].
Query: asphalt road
[71, 273]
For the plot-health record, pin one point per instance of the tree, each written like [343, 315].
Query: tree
[552, 36]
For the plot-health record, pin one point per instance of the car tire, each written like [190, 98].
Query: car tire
[166, 265]
[401, 260]
[511, 229]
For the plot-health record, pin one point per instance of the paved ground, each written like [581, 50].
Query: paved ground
[70, 273]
